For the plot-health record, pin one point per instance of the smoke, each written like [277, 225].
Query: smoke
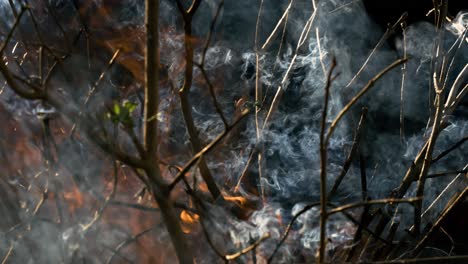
[295, 61]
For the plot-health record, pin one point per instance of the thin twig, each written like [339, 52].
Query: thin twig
[184, 93]
[10, 79]
[288, 228]
[205, 150]
[317, 36]
[201, 65]
[303, 37]
[248, 249]
[127, 242]
[102, 75]
[210, 242]
[362, 165]
[365, 220]
[245, 170]
[258, 107]
[323, 167]
[111, 196]
[133, 206]
[403, 79]
[421, 244]
[351, 154]
[452, 247]
[442, 193]
[12, 30]
[380, 201]
[447, 173]
[381, 42]
[428, 155]
[452, 148]
[280, 21]
[363, 91]
[8, 254]
[307, 208]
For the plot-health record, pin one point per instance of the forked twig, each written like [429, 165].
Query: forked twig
[205, 150]
[184, 93]
[439, 221]
[323, 167]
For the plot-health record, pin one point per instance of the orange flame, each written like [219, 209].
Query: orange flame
[239, 200]
[189, 221]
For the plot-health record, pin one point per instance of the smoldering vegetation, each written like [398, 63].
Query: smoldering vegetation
[66, 198]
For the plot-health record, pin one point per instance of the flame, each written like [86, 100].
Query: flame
[242, 207]
[239, 200]
[189, 221]
[74, 198]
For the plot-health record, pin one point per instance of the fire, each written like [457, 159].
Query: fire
[75, 199]
[239, 200]
[189, 221]
[241, 206]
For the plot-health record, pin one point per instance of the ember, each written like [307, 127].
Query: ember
[211, 131]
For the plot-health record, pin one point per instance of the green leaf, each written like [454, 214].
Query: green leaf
[130, 106]
[116, 109]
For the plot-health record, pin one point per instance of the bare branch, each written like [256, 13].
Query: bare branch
[205, 150]
[380, 201]
[459, 198]
[351, 154]
[111, 196]
[288, 228]
[381, 42]
[323, 167]
[12, 30]
[452, 148]
[280, 21]
[428, 155]
[184, 97]
[248, 249]
[128, 241]
[31, 95]
[363, 91]
[7, 255]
